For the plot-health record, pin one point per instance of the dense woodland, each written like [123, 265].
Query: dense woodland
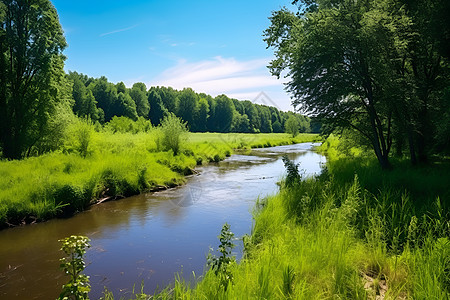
[101, 101]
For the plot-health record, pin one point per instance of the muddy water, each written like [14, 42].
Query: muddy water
[150, 237]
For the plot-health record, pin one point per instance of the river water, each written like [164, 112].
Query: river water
[150, 237]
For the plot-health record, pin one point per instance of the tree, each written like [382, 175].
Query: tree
[187, 106]
[169, 98]
[126, 107]
[105, 93]
[139, 94]
[224, 112]
[157, 109]
[85, 104]
[292, 125]
[342, 58]
[31, 64]
[202, 115]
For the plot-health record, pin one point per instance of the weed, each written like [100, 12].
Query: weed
[221, 265]
[73, 265]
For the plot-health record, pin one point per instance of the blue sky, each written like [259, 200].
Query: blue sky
[215, 47]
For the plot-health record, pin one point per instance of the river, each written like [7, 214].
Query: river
[150, 237]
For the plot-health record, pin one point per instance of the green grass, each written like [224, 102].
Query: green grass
[117, 165]
[331, 238]
[355, 232]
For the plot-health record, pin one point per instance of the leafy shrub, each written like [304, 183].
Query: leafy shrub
[124, 125]
[79, 137]
[173, 131]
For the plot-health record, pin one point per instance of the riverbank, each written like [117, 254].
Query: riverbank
[355, 232]
[117, 165]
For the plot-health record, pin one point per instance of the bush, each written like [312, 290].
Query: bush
[79, 137]
[173, 133]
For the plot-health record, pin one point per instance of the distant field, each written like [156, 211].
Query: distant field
[117, 165]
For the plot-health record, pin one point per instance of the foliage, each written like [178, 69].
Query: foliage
[370, 66]
[221, 265]
[102, 100]
[79, 136]
[293, 176]
[73, 265]
[158, 110]
[124, 124]
[173, 132]
[32, 77]
[292, 126]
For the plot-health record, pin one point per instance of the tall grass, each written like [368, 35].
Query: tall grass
[337, 237]
[91, 166]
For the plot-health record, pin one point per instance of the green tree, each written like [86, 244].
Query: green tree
[223, 114]
[202, 115]
[187, 106]
[139, 95]
[105, 93]
[31, 64]
[253, 115]
[85, 104]
[266, 120]
[126, 106]
[169, 98]
[157, 109]
[292, 125]
[121, 88]
[277, 128]
[241, 123]
[342, 58]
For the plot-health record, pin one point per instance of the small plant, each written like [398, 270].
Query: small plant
[73, 265]
[288, 281]
[220, 265]
[293, 176]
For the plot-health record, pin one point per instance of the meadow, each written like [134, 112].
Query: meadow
[102, 165]
[354, 232]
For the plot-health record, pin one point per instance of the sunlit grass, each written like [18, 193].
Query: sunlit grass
[117, 165]
[355, 232]
[330, 238]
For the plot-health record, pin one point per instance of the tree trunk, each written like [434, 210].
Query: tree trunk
[412, 151]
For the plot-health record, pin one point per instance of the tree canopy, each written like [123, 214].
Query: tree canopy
[32, 76]
[353, 64]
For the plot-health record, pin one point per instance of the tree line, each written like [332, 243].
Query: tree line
[100, 100]
[37, 97]
[379, 68]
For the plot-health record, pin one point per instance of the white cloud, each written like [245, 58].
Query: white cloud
[243, 80]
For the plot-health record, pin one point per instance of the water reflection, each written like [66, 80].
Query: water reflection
[148, 237]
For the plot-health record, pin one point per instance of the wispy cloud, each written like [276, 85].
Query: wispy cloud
[243, 80]
[219, 76]
[119, 30]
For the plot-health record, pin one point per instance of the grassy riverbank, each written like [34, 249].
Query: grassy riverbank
[356, 232]
[116, 165]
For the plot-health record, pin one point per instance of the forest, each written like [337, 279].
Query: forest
[101, 101]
